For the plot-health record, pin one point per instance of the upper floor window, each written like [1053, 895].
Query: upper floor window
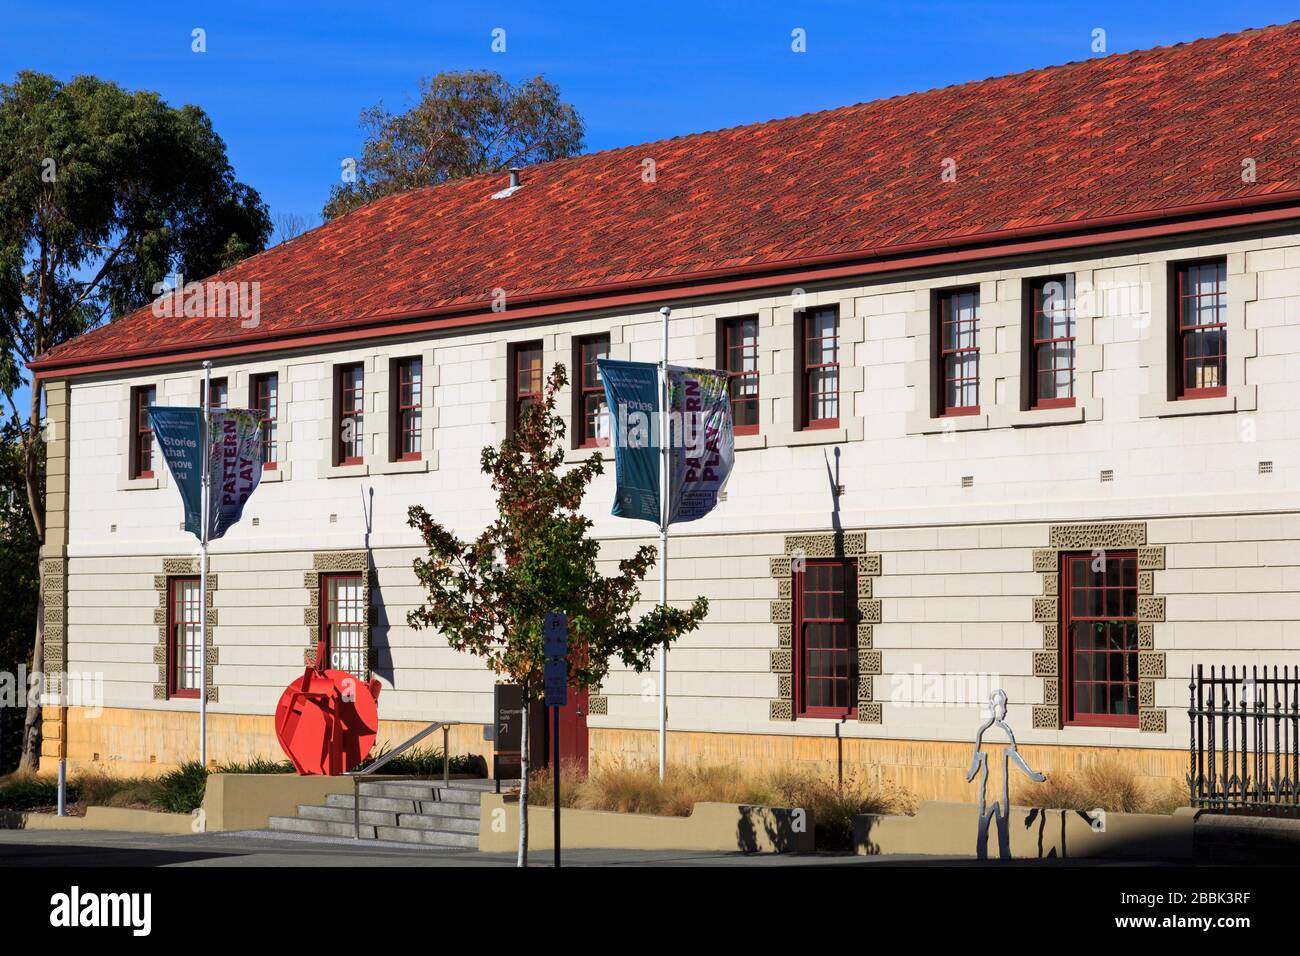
[826, 639]
[525, 378]
[184, 651]
[591, 410]
[142, 398]
[740, 360]
[821, 368]
[219, 397]
[1099, 624]
[264, 392]
[407, 402]
[957, 352]
[1201, 353]
[1051, 348]
[349, 422]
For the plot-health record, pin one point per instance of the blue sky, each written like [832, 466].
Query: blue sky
[285, 81]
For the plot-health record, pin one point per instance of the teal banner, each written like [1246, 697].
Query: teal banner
[632, 394]
[179, 434]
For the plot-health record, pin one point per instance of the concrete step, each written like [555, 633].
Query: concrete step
[427, 821]
[469, 811]
[429, 837]
[402, 790]
[320, 827]
[344, 815]
[457, 795]
[388, 804]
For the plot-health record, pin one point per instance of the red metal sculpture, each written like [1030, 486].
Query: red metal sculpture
[327, 720]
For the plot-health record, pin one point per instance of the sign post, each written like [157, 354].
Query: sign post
[508, 707]
[555, 642]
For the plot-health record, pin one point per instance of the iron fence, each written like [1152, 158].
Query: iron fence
[1245, 744]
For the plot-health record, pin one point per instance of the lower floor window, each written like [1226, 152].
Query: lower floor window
[1100, 638]
[344, 622]
[185, 651]
[826, 639]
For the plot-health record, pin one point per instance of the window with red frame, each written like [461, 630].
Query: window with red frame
[1099, 624]
[958, 354]
[740, 355]
[142, 399]
[591, 409]
[220, 394]
[826, 639]
[343, 622]
[526, 379]
[408, 409]
[265, 393]
[1201, 355]
[821, 368]
[349, 426]
[1051, 351]
[184, 652]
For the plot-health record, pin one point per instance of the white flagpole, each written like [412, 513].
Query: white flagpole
[665, 499]
[203, 574]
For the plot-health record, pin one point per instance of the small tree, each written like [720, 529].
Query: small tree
[488, 597]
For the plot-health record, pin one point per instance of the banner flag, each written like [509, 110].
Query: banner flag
[234, 462]
[702, 445]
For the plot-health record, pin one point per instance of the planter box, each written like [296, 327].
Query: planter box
[114, 818]
[711, 826]
[949, 829]
[246, 801]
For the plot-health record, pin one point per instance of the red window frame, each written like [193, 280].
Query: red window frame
[408, 405]
[1206, 341]
[182, 614]
[740, 361]
[1045, 336]
[525, 379]
[1101, 604]
[266, 400]
[142, 398]
[590, 392]
[351, 390]
[958, 341]
[330, 619]
[821, 368]
[220, 394]
[818, 605]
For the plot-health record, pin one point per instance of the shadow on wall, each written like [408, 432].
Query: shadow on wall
[773, 829]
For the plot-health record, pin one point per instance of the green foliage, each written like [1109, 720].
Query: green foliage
[488, 597]
[181, 790]
[256, 765]
[465, 123]
[19, 583]
[26, 791]
[427, 762]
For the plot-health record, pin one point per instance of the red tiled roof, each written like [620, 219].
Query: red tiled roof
[1146, 132]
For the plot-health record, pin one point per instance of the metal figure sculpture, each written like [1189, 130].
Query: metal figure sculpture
[980, 764]
[327, 720]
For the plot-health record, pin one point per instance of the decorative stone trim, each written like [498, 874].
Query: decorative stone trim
[54, 640]
[1047, 609]
[799, 547]
[598, 706]
[184, 567]
[342, 562]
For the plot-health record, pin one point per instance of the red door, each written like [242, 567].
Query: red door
[573, 733]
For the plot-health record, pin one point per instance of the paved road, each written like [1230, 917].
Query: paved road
[81, 848]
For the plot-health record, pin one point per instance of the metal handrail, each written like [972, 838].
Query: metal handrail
[356, 775]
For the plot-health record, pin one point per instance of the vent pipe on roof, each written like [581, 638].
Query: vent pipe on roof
[514, 177]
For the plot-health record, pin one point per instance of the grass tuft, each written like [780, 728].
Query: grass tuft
[1110, 784]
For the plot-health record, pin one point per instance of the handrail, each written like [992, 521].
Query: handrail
[356, 775]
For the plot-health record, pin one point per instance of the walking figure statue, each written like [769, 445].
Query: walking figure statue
[980, 764]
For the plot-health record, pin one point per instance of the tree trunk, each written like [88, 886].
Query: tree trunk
[31, 757]
[523, 786]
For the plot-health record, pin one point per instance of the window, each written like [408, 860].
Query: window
[1201, 348]
[343, 622]
[821, 368]
[142, 399]
[349, 422]
[526, 379]
[826, 638]
[1100, 644]
[184, 652]
[407, 403]
[740, 359]
[957, 357]
[265, 391]
[220, 394]
[1051, 345]
[591, 419]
